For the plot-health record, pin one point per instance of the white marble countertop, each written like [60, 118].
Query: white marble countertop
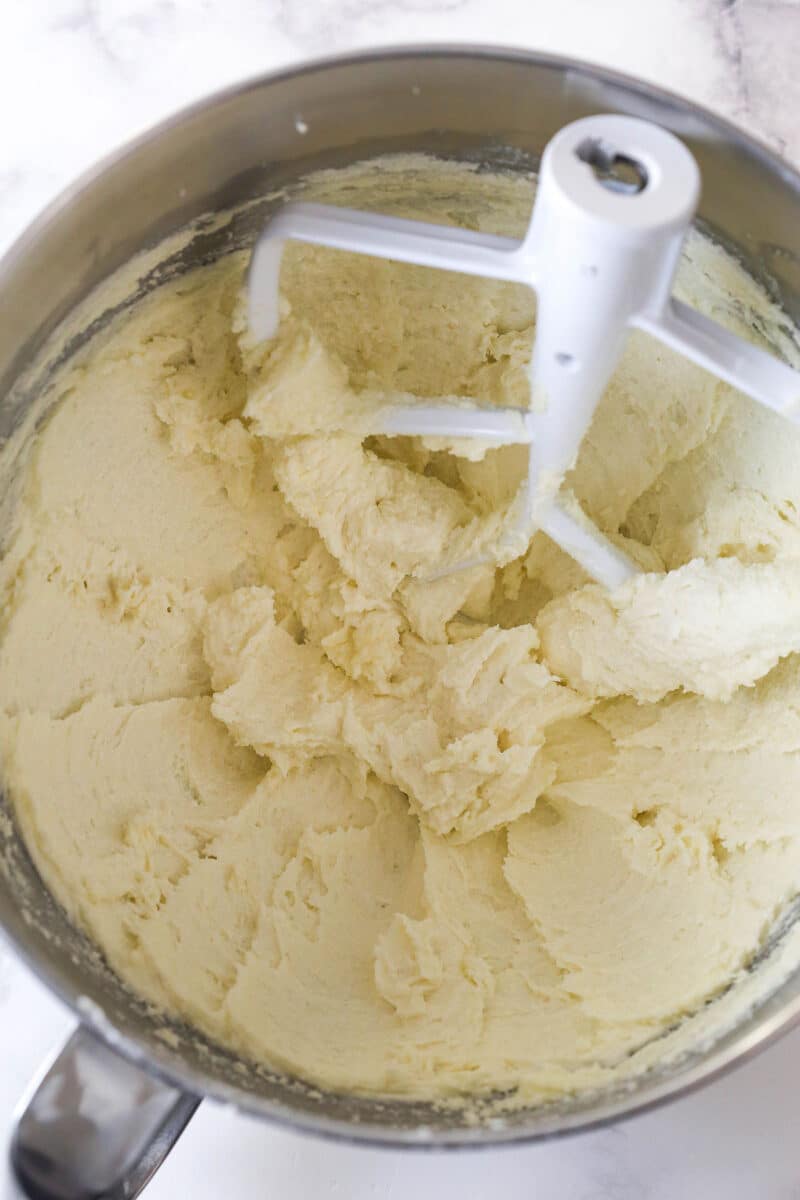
[78, 77]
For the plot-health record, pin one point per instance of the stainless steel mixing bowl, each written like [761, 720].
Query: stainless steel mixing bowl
[121, 1091]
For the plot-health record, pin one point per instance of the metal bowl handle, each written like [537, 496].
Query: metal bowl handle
[95, 1126]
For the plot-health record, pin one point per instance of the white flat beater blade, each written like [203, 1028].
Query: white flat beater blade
[614, 200]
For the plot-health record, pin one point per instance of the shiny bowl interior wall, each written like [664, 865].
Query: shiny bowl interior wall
[495, 107]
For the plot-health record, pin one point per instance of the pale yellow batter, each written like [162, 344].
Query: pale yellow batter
[499, 830]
